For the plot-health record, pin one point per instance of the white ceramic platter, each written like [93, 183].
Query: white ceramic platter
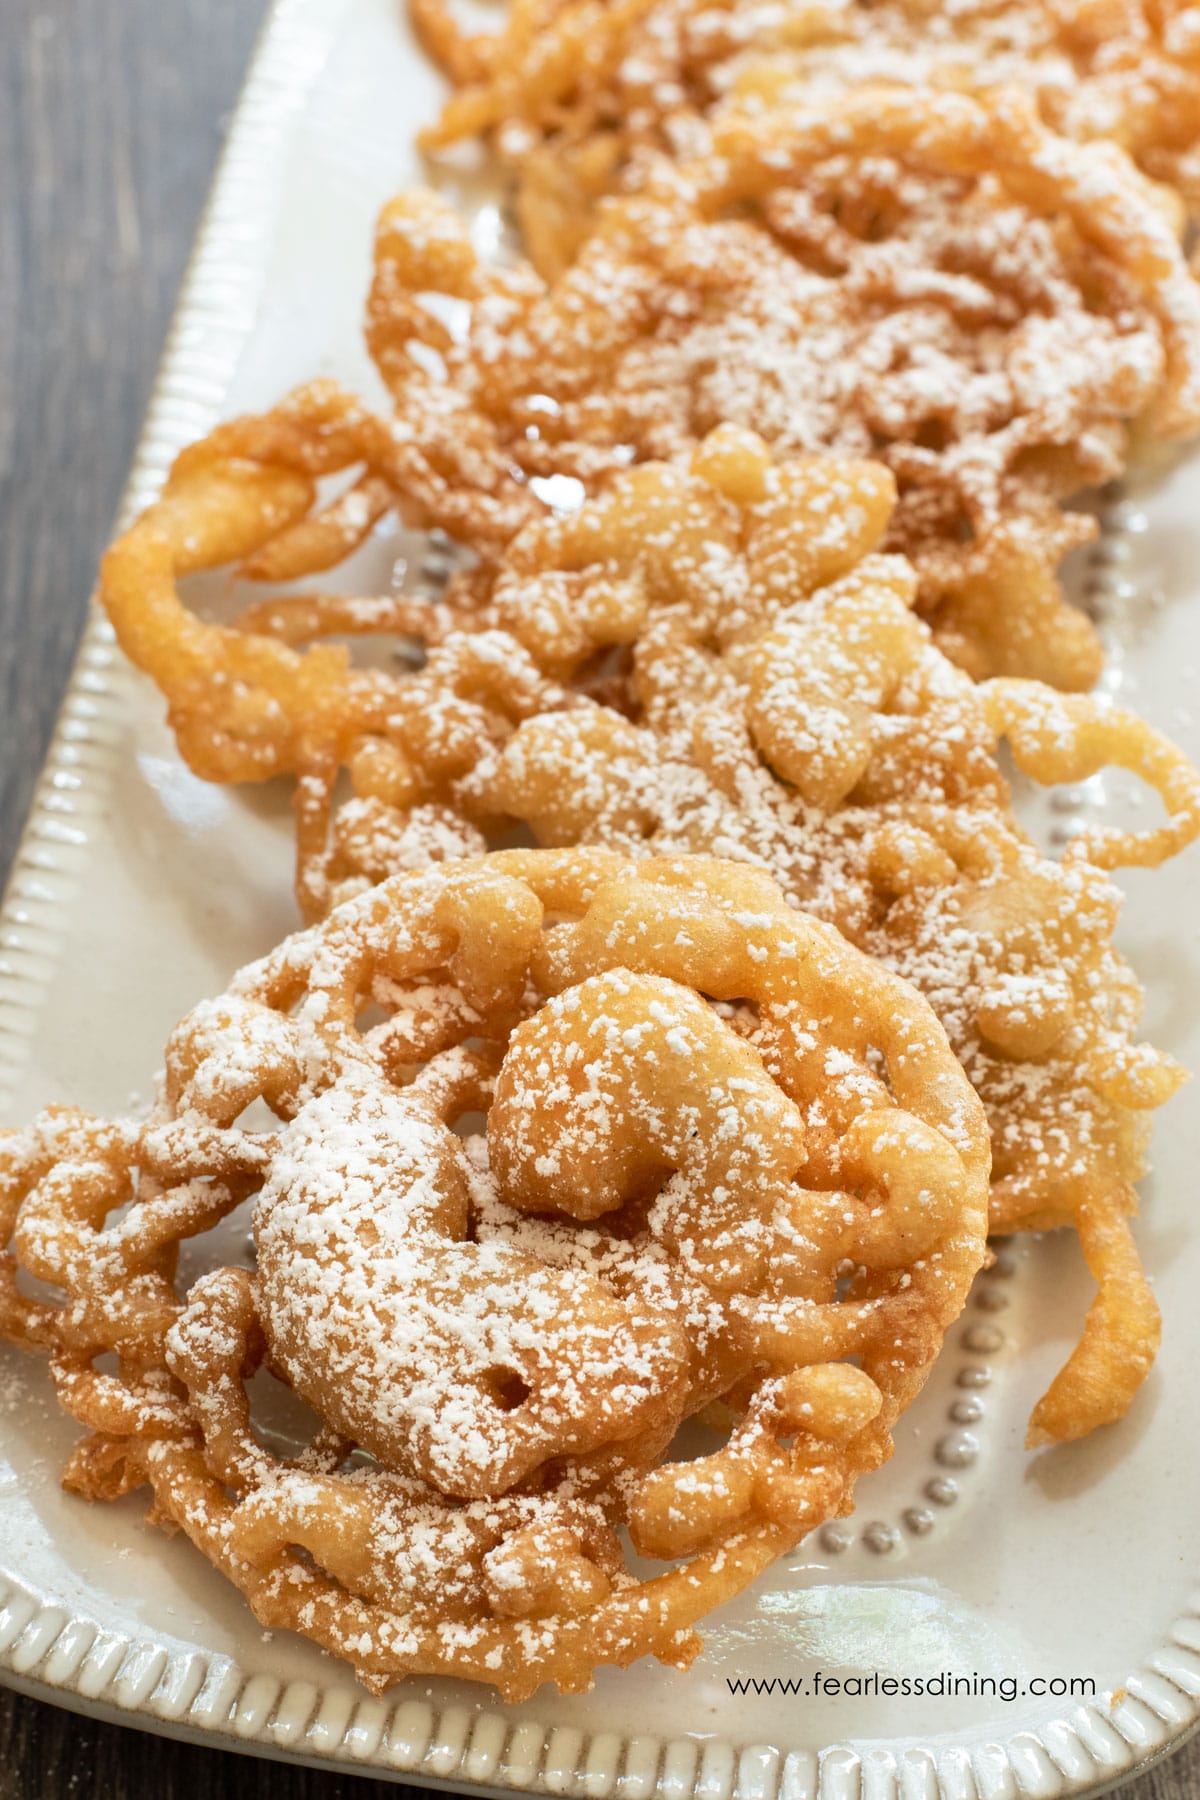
[138, 889]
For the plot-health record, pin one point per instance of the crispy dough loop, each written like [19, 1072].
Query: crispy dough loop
[243, 707]
[97, 1212]
[1060, 738]
[245, 703]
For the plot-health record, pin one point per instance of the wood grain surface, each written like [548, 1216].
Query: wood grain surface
[111, 115]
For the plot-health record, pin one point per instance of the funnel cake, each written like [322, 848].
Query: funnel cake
[934, 280]
[723, 1156]
[579, 98]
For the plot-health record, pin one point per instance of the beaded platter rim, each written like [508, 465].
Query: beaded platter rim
[51, 1653]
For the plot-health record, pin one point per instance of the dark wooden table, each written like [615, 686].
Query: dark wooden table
[111, 114]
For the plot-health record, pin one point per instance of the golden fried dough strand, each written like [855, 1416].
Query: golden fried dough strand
[1120, 1335]
[244, 703]
[97, 1211]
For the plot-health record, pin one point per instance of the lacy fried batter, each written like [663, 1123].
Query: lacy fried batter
[579, 98]
[725, 1157]
[934, 280]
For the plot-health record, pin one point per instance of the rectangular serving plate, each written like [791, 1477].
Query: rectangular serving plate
[139, 889]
